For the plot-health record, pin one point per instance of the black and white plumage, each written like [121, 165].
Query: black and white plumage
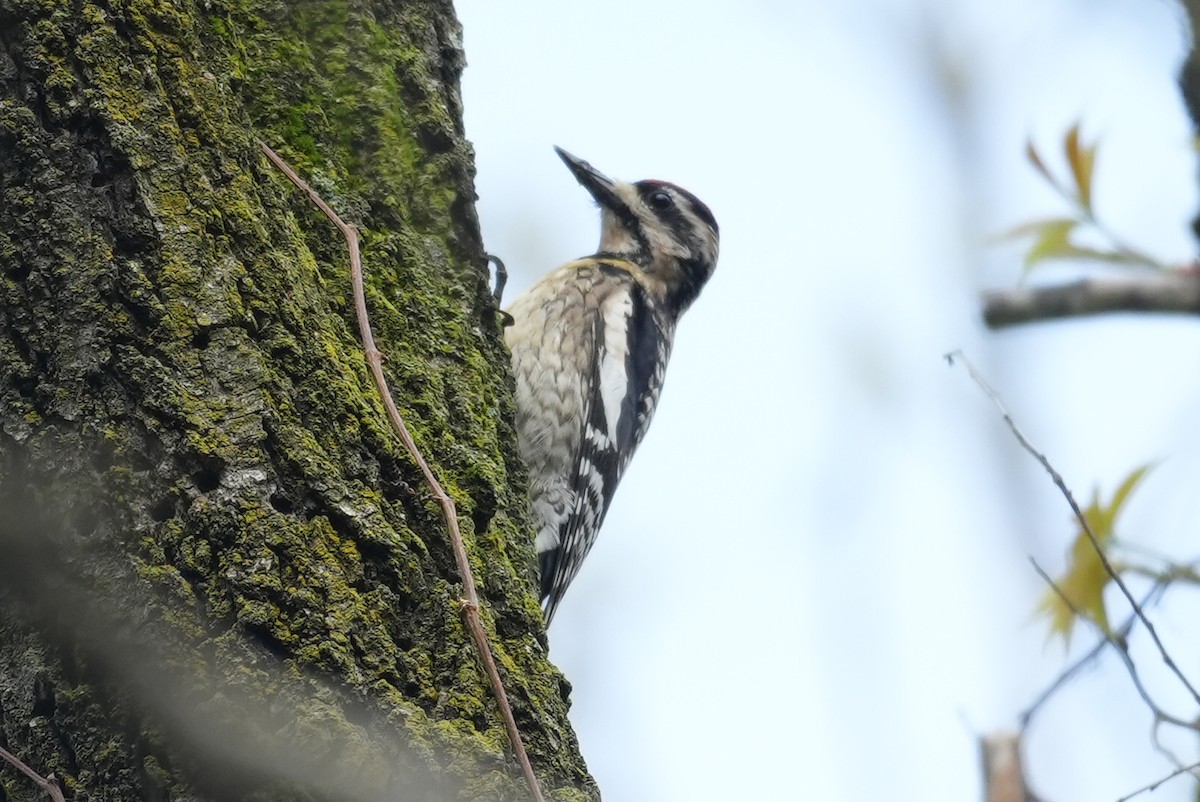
[590, 343]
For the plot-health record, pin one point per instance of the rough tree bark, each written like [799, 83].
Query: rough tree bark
[1189, 76]
[220, 576]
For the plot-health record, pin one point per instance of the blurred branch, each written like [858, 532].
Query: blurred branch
[47, 784]
[1177, 292]
[1172, 574]
[1054, 239]
[1083, 522]
[1003, 774]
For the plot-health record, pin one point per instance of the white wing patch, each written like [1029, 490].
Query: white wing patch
[614, 349]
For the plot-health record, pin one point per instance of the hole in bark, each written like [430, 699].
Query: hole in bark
[282, 504]
[163, 509]
[485, 510]
[207, 480]
[201, 338]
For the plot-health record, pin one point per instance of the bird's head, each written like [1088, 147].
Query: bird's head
[664, 229]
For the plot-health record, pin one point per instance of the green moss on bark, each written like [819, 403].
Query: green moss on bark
[223, 558]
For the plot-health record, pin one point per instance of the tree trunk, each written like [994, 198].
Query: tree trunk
[1189, 77]
[220, 575]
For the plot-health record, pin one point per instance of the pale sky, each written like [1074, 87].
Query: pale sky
[814, 581]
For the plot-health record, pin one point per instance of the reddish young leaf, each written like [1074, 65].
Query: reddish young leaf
[1082, 159]
[1036, 160]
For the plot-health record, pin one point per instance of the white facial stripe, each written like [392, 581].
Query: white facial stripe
[657, 240]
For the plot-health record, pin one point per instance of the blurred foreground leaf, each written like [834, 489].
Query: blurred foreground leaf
[1085, 579]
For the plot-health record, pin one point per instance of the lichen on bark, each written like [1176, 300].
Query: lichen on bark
[221, 577]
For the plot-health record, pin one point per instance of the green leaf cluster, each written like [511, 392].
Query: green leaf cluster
[1079, 592]
[1054, 238]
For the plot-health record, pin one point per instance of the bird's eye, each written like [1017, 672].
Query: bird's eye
[661, 200]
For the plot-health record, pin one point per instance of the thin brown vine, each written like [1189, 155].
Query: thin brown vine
[470, 604]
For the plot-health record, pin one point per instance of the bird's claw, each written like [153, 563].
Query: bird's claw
[501, 276]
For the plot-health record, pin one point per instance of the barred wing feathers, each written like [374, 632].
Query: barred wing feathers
[620, 392]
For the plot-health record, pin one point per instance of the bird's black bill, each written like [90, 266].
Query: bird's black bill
[601, 187]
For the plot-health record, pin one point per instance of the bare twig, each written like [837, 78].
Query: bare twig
[1063, 678]
[1079, 516]
[1117, 640]
[1172, 574]
[1120, 635]
[1176, 292]
[1122, 649]
[469, 605]
[48, 784]
[1162, 748]
[1154, 785]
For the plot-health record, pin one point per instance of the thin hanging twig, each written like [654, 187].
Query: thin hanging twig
[1079, 516]
[470, 605]
[48, 784]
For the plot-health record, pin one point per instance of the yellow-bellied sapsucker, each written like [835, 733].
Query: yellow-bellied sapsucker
[590, 343]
